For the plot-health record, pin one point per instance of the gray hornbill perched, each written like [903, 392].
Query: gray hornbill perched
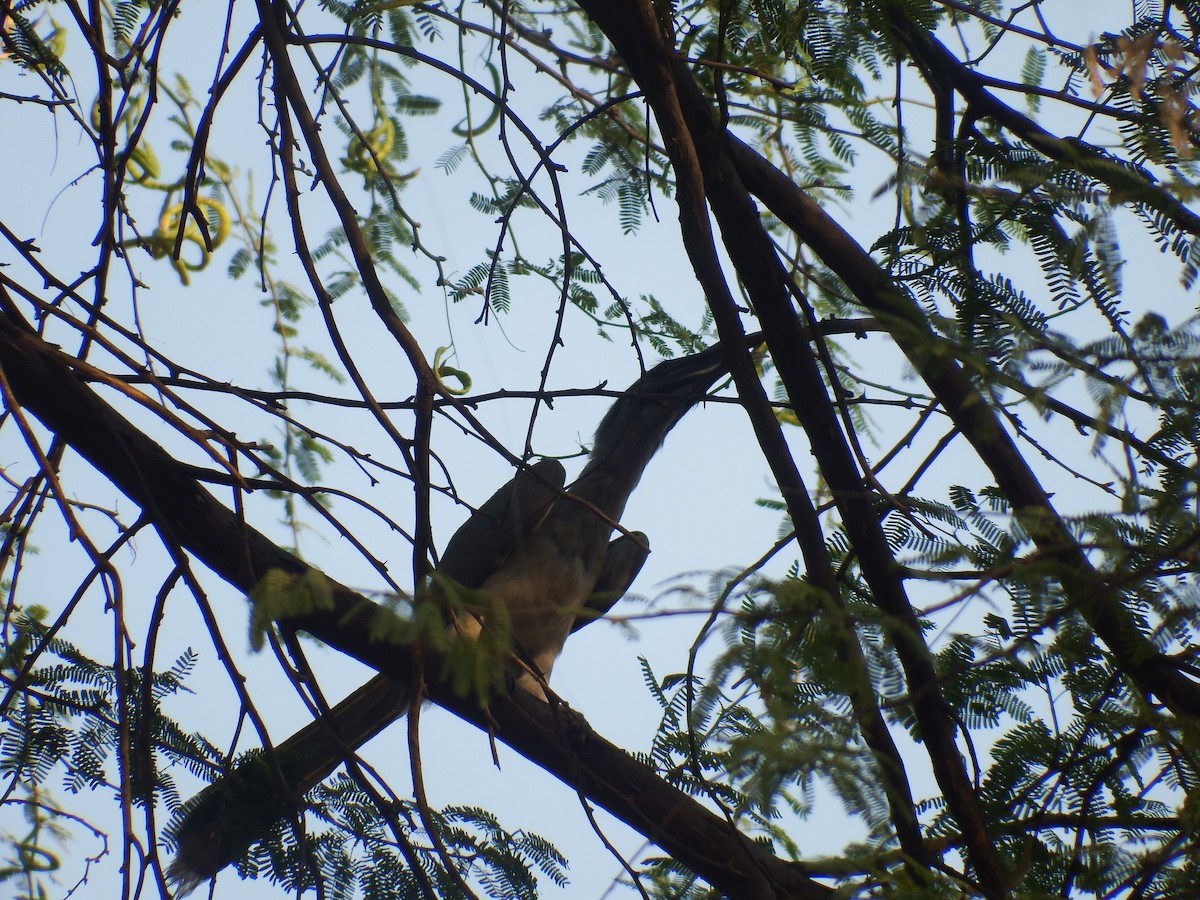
[543, 552]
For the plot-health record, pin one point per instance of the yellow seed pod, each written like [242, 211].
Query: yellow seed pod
[163, 240]
[143, 165]
[443, 371]
[363, 153]
[56, 41]
[786, 417]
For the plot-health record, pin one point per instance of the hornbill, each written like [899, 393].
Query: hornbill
[541, 551]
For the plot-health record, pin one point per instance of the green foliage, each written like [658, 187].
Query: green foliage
[33, 50]
[475, 666]
[78, 725]
[1032, 73]
[279, 596]
[505, 864]
[1069, 776]
[73, 720]
[1008, 177]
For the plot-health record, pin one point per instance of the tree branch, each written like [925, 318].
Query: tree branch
[969, 410]
[43, 383]
[1126, 182]
[707, 181]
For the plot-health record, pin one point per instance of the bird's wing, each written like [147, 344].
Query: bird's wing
[624, 559]
[494, 531]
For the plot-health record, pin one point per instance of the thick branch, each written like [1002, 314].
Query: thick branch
[1126, 183]
[44, 384]
[1099, 604]
[704, 174]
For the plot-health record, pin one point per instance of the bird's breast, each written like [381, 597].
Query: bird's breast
[543, 588]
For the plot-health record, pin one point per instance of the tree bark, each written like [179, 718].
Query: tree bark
[552, 736]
